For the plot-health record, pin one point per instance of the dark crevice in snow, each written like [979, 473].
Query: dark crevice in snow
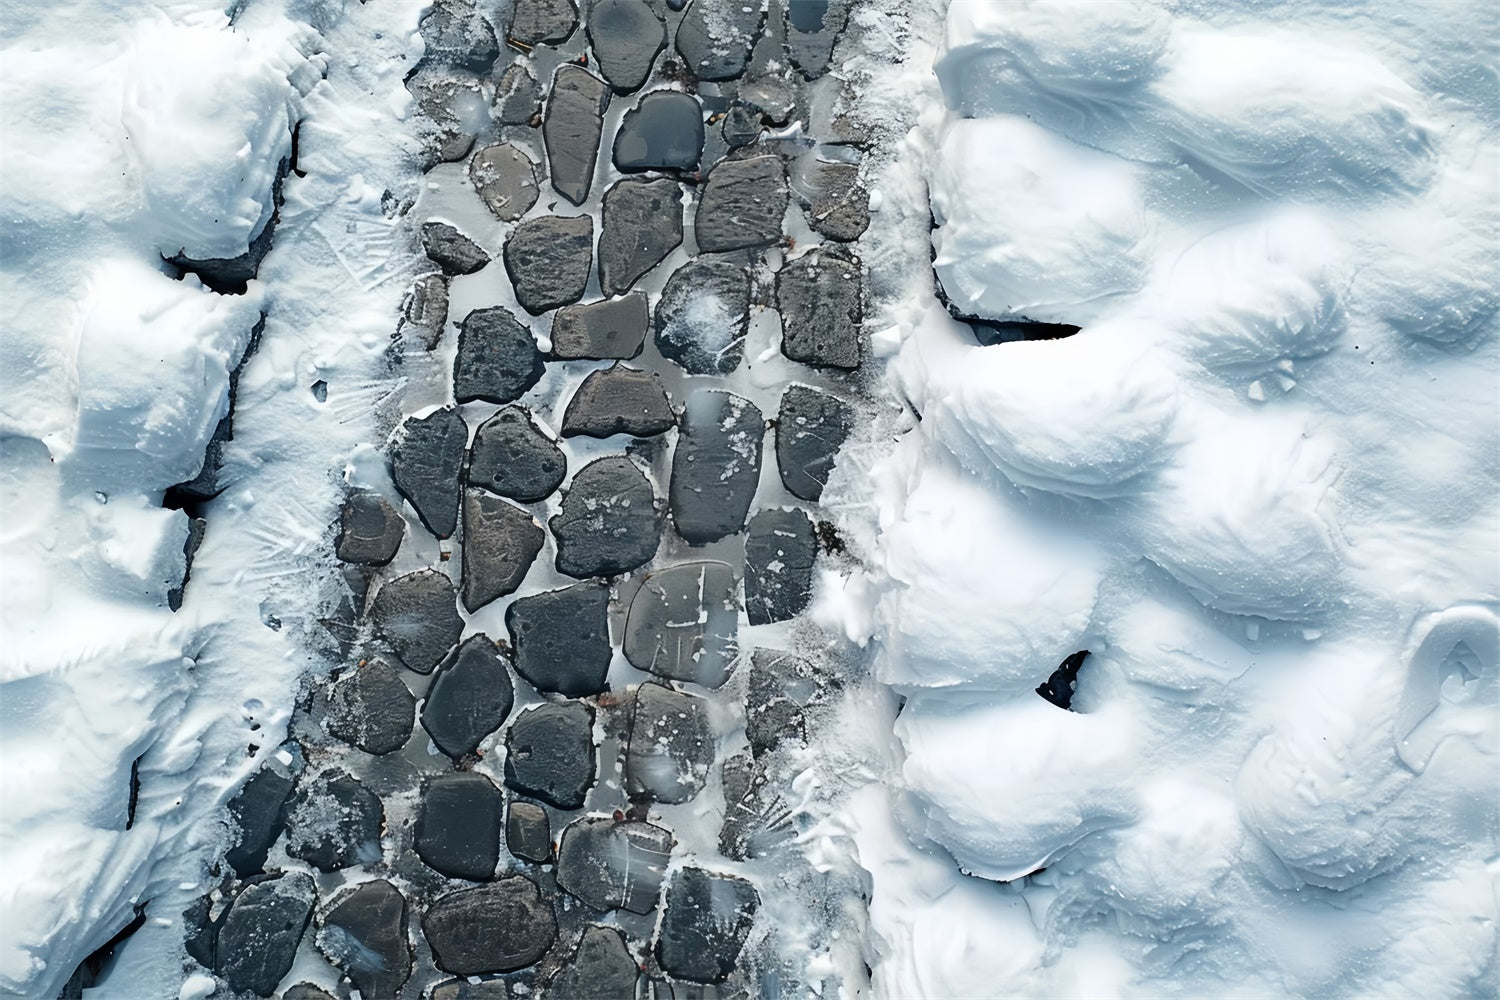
[1063, 684]
[92, 969]
[135, 792]
[189, 496]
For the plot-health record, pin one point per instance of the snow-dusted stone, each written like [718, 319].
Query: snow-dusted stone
[613, 865]
[458, 825]
[417, 616]
[756, 816]
[259, 813]
[683, 623]
[839, 207]
[306, 991]
[370, 530]
[528, 832]
[539, 21]
[707, 919]
[424, 310]
[451, 106]
[501, 541]
[371, 708]
[427, 459]
[599, 969]
[671, 744]
[609, 523]
[512, 457]
[455, 34]
[599, 331]
[740, 127]
[821, 299]
[469, 698]
[571, 126]
[497, 358]
[663, 132]
[626, 36]
[451, 250]
[780, 686]
[500, 927]
[561, 638]
[715, 38]
[812, 29]
[505, 180]
[810, 428]
[334, 822]
[549, 753]
[260, 931]
[548, 259]
[780, 550]
[642, 223]
[518, 99]
[716, 465]
[742, 204]
[619, 400]
[364, 933]
[704, 315]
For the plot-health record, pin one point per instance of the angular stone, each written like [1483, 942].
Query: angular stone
[812, 28]
[199, 933]
[838, 206]
[619, 400]
[371, 708]
[626, 36]
[780, 550]
[469, 698]
[417, 616]
[810, 428]
[500, 927]
[518, 99]
[757, 820]
[716, 466]
[707, 920]
[501, 541]
[370, 530]
[822, 307]
[613, 865]
[671, 745]
[334, 822]
[505, 180]
[772, 97]
[458, 826]
[528, 832]
[548, 259]
[561, 639]
[259, 811]
[497, 358]
[780, 687]
[704, 315]
[600, 969]
[451, 250]
[742, 204]
[455, 34]
[549, 753]
[663, 132]
[741, 127]
[514, 458]
[260, 931]
[451, 107]
[683, 623]
[609, 523]
[603, 330]
[538, 21]
[364, 934]
[571, 126]
[716, 38]
[426, 461]
[424, 311]
[642, 225]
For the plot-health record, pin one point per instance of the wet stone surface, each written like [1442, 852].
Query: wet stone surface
[511, 456]
[626, 36]
[671, 746]
[610, 865]
[571, 127]
[822, 307]
[518, 99]
[370, 530]
[600, 968]
[715, 39]
[619, 400]
[683, 623]
[495, 928]
[364, 934]
[742, 205]
[603, 330]
[548, 259]
[810, 428]
[427, 458]
[780, 550]
[642, 224]
[458, 826]
[812, 29]
[497, 358]
[505, 180]
[663, 132]
[371, 708]
[334, 821]
[561, 639]
[528, 832]
[469, 698]
[704, 315]
[549, 753]
[260, 931]
[417, 616]
[451, 250]
[707, 920]
[609, 522]
[501, 541]
[716, 466]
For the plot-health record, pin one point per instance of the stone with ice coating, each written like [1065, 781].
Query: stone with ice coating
[642, 223]
[663, 132]
[671, 744]
[497, 358]
[426, 460]
[452, 108]
[548, 259]
[561, 638]
[518, 99]
[715, 37]
[742, 204]
[424, 310]
[571, 126]
[716, 466]
[469, 698]
[626, 36]
[501, 541]
[370, 530]
[260, 931]
[599, 331]
[371, 708]
[512, 457]
[417, 616]
[451, 250]
[458, 825]
[812, 28]
[364, 933]
[619, 400]
[505, 180]
[613, 865]
[780, 550]
[538, 21]
[810, 428]
[599, 969]
[821, 299]
[500, 927]
[704, 315]
[839, 206]
[609, 522]
[455, 34]
[683, 623]
[259, 811]
[780, 686]
[334, 822]
[707, 919]
[528, 832]
[549, 753]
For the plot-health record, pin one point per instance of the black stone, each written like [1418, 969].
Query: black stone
[417, 615]
[599, 969]
[528, 832]
[839, 206]
[626, 36]
[451, 250]
[642, 224]
[424, 311]
[1060, 687]
[500, 927]
[455, 34]
[370, 530]
[663, 132]
[260, 931]
[603, 330]
[497, 358]
[518, 99]
[538, 21]
[458, 825]
[306, 991]
[364, 934]
[715, 38]
[822, 306]
[571, 127]
[505, 180]
[561, 639]
[334, 822]
[371, 708]
[469, 698]
[548, 259]
[514, 458]
[619, 400]
[199, 933]
[613, 865]
[742, 204]
[426, 461]
[609, 523]
[501, 541]
[671, 745]
[704, 315]
[259, 811]
[780, 686]
[810, 428]
[812, 28]
[707, 920]
[716, 466]
[683, 623]
[549, 753]
[780, 550]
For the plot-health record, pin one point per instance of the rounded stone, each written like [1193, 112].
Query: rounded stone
[493, 928]
[663, 132]
[505, 180]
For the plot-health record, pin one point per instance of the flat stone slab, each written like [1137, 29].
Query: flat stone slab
[537, 21]
[451, 250]
[370, 530]
[505, 180]
[334, 822]
[371, 708]
[779, 688]
[571, 126]
[455, 34]
[663, 132]
[707, 919]
[500, 927]
[497, 358]
[683, 623]
[609, 523]
[671, 746]
[601, 331]
[716, 466]
[548, 259]
[549, 753]
[626, 36]
[260, 931]
[642, 224]
[704, 315]
[600, 968]
[501, 541]
[424, 310]
[839, 206]
[715, 39]
[812, 29]
[619, 400]
[426, 459]
[528, 832]
[810, 428]
[780, 550]
[822, 306]
[742, 205]
[513, 457]
[611, 865]
[259, 811]
[561, 639]
[469, 698]
[518, 99]
[458, 826]
[417, 616]
[364, 934]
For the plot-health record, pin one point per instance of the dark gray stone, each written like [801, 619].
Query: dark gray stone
[528, 832]
[455, 34]
[258, 810]
[619, 400]
[613, 865]
[364, 934]
[539, 21]
[417, 616]
[500, 927]
[707, 919]
[757, 819]
[742, 204]
[716, 466]
[427, 459]
[740, 127]
[334, 822]
[599, 331]
[306, 991]
[514, 458]
[501, 541]
[671, 745]
[371, 708]
[497, 358]
[780, 550]
[571, 126]
[549, 753]
[505, 180]
[715, 38]
[469, 698]
[548, 259]
[462, 989]
[642, 224]
[449, 107]
[704, 315]
[683, 624]
[610, 521]
[518, 99]
[599, 969]
[810, 428]
[424, 311]
[370, 530]
[839, 206]
[663, 132]
[199, 932]
[259, 933]
[822, 306]
[561, 639]
[780, 686]
[812, 29]
[626, 36]
[451, 250]
[458, 826]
